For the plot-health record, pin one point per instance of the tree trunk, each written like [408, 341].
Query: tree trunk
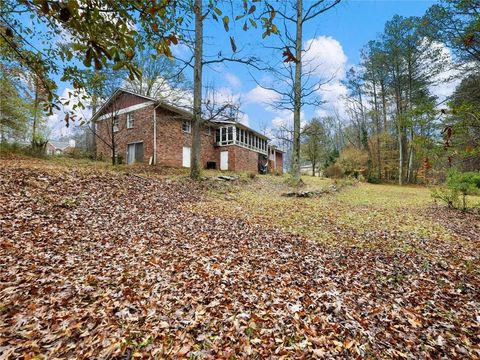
[92, 139]
[384, 106]
[297, 88]
[114, 162]
[35, 115]
[377, 125]
[197, 93]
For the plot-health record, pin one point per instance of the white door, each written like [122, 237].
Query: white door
[186, 157]
[224, 160]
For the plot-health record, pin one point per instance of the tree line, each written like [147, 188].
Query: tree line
[394, 127]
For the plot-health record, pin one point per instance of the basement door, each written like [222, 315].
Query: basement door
[135, 152]
[224, 160]
[186, 157]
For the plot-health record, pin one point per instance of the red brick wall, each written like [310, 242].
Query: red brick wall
[240, 159]
[171, 139]
[279, 160]
[141, 131]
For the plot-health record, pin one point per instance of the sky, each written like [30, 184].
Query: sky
[334, 39]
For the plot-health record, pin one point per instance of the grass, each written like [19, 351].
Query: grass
[366, 215]
[359, 215]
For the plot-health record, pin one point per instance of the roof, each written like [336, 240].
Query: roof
[114, 96]
[275, 148]
[62, 145]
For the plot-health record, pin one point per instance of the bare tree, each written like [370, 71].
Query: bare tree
[161, 78]
[296, 82]
[198, 59]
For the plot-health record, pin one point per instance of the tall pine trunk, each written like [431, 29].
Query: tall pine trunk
[197, 94]
[297, 88]
[377, 125]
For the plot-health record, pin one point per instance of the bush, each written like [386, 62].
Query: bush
[333, 171]
[459, 185]
[373, 179]
[448, 196]
[77, 153]
[352, 161]
[466, 183]
[19, 149]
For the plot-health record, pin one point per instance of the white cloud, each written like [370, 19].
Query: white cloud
[325, 58]
[447, 81]
[233, 80]
[244, 119]
[56, 121]
[259, 95]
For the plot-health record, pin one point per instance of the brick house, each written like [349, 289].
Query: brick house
[149, 131]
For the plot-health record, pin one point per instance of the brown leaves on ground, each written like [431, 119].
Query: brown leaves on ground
[106, 265]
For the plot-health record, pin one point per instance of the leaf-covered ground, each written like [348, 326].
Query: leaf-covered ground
[100, 264]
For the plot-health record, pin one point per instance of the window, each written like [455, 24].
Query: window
[186, 126]
[129, 120]
[115, 123]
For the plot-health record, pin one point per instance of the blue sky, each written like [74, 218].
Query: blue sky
[337, 36]
[340, 35]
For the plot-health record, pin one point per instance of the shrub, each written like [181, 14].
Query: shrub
[466, 183]
[373, 179]
[352, 161]
[448, 196]
[333, 171]
[78, 153]
[459, 185]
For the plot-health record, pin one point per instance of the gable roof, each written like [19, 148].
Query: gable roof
[114, 96]
[61, 145]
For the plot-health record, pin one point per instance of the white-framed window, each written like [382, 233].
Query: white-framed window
[228, 135]
[116, 124]
[130, 120]
[186, 126]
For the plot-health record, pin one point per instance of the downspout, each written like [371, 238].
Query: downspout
[155, 134]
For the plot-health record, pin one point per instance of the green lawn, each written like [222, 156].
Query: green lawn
[367, 215]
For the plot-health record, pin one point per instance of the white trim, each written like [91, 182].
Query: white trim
[130, 115]
[125, 110]
[113, 97]
[242, 146]
[189, 125]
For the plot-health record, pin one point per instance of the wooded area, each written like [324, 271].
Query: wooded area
[394, 127]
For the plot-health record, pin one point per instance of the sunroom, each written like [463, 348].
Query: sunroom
[236, 134]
